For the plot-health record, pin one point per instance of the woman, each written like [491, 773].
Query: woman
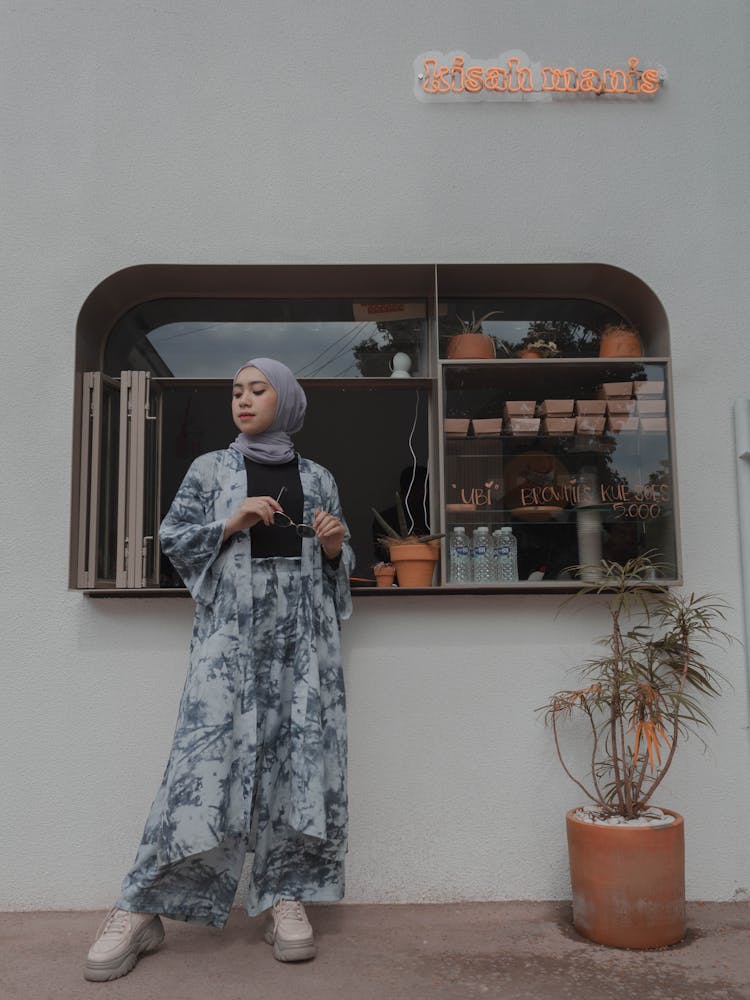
[258, 760]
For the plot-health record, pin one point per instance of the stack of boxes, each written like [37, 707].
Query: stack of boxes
[618, 398]
[633, 406]
[651, 406]
[619, 406]
[590, 414]
[519, 416]
[557, 416]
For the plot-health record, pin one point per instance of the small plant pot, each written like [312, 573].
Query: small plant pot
[385, 575]
[487, 427]
[615, 390]
[628, 883]
[519, 408]
[471, 345]
[654, 390]
[621, 407]
[559, 425]
[528, 354]
[456, 426]
[415, 562]
[620, 342]
[556, 408]
[590, 407]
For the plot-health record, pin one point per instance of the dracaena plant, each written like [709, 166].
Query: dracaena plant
[403, 534]
[474, 325]
[645, 694]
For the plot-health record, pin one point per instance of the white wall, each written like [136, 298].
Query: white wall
[241, 132]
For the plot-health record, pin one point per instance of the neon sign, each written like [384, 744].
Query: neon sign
[512, 77]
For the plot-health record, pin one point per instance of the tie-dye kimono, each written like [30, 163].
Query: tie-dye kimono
[209, 785]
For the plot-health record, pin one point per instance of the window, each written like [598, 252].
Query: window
[156, 347]
[317, 338]
[575, 461]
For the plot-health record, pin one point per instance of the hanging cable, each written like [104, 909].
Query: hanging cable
[346, 349]
[413, 468]
[351, 334]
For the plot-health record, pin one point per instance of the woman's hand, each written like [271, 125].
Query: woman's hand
[330, 532]
[252, 511]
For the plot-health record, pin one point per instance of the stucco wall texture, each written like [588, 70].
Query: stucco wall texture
[243, 132]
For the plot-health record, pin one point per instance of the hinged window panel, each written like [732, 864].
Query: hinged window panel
[97, 514]
[138, 480]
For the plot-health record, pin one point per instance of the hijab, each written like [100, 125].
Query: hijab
[275, 446]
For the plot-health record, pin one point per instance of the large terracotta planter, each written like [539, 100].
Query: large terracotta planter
[415, 562]
[628, 883]
[620, 342]
[471, 345]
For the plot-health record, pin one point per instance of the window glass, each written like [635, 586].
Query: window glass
[573, 457]
[191, 338]
[571, 326]
[369, 437]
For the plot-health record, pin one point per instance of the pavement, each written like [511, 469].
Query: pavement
[508, 951]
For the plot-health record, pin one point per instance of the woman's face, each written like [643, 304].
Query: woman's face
[253, 402]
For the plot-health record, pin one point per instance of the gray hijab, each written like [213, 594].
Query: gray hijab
[274, 446]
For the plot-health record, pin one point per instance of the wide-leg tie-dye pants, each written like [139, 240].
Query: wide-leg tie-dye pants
[201, 888]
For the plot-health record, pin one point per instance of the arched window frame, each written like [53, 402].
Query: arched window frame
[125, 290]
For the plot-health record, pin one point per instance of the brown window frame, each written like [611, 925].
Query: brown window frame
[122, 291]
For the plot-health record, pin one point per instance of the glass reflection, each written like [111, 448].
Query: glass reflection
[565, 328]
[316, 339]
[595, 484]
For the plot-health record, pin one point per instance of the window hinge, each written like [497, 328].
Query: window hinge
[147, 540]
[147, 404]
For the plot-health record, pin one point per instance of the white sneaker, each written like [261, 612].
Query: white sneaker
[122, 938]
[289, 931]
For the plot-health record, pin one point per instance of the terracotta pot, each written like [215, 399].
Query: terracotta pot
[628, 883]
[385, 575]
[471, 345]
[415, 562]
[620, 342]
[526, 354]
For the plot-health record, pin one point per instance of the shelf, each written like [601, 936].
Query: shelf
[573, 359]
[551, 470]
[571, 444]
[525, 438]
[566, 517]
[488, 589]
[392, 593]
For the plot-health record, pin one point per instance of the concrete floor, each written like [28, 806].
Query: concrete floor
[513, 951]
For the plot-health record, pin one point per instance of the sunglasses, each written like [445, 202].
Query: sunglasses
[282, 520]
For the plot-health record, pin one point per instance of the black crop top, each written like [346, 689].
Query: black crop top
[268, 541]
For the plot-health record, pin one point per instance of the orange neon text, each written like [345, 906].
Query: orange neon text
[458, 78]
[515, 78]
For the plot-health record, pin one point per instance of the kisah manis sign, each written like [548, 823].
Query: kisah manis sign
[456, 76]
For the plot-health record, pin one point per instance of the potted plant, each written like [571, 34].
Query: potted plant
[538, 348]
[385, 573]
[617, 340]
[414, 556]
[639, 700]
[472, 342]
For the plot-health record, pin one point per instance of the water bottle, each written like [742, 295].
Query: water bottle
[460, 556]
[496, 545]
[507, 558]
[480, 555]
